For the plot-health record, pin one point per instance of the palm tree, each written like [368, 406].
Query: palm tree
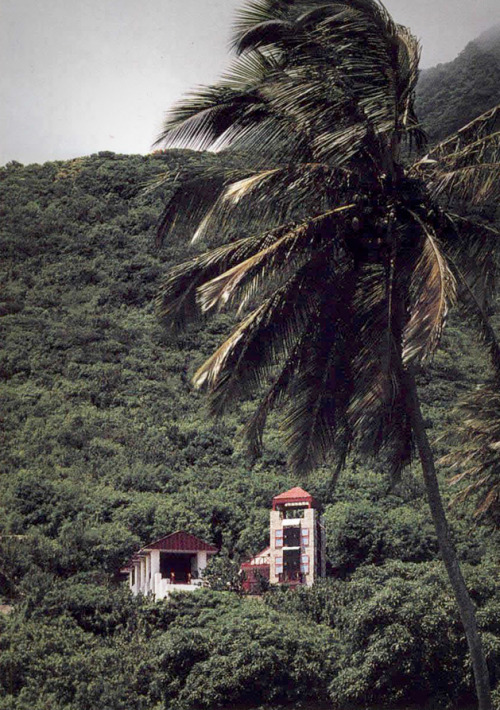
[340, 259]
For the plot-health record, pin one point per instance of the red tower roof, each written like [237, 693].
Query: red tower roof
[294, 495]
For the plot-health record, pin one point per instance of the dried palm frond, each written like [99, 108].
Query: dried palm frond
[275, 195]
[433, 290]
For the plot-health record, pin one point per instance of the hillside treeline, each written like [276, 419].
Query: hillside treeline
[451, 95]
[106, 447]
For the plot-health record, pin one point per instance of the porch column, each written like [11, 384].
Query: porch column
[137, 577]
[154, 559]
[143, 575]
[201, 562]
[155, 562]
[147, 586]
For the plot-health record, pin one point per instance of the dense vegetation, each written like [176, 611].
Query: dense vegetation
[106, 446]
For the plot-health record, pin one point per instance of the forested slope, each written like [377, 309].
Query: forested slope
[106, 446]
[452, 94]
[101, 424]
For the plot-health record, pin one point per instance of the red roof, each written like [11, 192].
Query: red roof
[294, 495]
[180, 541]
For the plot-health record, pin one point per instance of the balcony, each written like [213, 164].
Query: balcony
[291, 578]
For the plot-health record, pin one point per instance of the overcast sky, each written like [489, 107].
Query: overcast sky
[80, 76]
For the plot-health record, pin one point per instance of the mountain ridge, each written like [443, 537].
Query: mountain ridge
[452, 94]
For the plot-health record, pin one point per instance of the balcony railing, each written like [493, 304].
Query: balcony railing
[291, 577]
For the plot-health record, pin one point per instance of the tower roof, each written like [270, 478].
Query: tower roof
[294, 495]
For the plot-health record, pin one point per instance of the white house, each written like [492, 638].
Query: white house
[175, 562]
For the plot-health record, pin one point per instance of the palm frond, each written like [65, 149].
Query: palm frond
[472, 308]
[253, 70]
[258, 11]
[286, 254]
[315, 423]
[466, 166]
[270, 32]
[214, 116]
[177, 301]
[469, 183]
[272, 196]
[225, 210]
[347, 81]
[192, 197]
[274, 396]
[479, 128]
[473, 245]
[245, 360]
[433, 290]
[354, 48]
[379, 60]
[408, 59]
[206, 116]
[477, 454]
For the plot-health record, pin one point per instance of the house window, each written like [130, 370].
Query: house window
[305, 537]
[278, 565]
[133, 575]
[304, 564]
[278, 538]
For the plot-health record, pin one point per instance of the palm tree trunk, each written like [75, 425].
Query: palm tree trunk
[447, 549]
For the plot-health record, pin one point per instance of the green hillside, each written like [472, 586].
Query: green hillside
[452, 94]
[106, 446]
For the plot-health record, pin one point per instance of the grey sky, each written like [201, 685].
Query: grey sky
[79, 76]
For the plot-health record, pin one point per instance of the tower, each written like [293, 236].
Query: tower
[297, 539]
